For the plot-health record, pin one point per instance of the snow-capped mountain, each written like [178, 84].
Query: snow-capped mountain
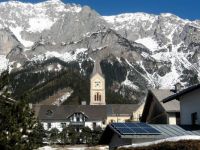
[138, 50]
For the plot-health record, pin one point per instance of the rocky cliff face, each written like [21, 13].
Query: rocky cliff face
[138, 50]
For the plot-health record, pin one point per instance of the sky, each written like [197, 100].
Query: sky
[187, 9]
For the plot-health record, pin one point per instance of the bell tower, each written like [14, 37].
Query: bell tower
[97, 86]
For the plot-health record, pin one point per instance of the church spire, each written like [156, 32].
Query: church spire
[97, 85]
[97, 68]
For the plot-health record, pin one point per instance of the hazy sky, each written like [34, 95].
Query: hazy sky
[189, 9]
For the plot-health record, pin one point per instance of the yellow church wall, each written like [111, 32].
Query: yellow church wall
[100, 89]
[111, 119]
[138, 113]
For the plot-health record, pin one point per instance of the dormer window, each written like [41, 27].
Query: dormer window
[49, 112]
[77, 117]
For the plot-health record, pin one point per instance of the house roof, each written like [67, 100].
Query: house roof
[64, 111]
[160, 94]
[121, 109]
[181, 93]
[93, 112]
[165, 130]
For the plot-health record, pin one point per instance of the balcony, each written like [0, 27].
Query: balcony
[77, 123]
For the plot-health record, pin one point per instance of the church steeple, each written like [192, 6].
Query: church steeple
[97, 85]
[97, 68]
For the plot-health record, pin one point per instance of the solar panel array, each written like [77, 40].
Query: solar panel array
[135, 129]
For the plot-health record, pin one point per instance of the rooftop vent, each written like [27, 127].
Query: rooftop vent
[177, 87]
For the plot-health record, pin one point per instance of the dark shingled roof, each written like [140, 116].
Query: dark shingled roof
[181, 93]
[121, 109]
[64, 111]
[93, 112]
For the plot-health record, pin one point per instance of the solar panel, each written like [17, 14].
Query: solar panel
[131, 125]
[151, 130]
[134, 129]
[139, 130]
[125, 130]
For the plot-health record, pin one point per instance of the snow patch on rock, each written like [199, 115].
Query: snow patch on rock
[63, 98]
[67, 56]
[4, 63]
[128, 83]
[149, 42]
[17, 32]
[40, 24]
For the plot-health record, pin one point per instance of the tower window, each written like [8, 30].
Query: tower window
[97, 96]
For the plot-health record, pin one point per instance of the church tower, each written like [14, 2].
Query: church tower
[97, 86]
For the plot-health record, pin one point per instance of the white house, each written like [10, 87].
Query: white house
[52, 116]
[189, 104]
[59, 117]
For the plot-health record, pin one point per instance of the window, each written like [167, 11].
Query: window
[63, 125]
[97, 96]
[178, 121]
[49, 112]
[78, 118]
[94, 125]
[49, 125]
[111, 121]
[194, 118]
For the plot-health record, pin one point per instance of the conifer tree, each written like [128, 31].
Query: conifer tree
[54, 135]
[17, 122]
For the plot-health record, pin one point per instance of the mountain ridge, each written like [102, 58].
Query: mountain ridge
[138, 51]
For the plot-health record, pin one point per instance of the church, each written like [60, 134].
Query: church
[96, 113]
[97, 86]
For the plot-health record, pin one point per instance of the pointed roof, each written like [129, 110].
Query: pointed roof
[93, 112]
[97, 68]
[176, 96]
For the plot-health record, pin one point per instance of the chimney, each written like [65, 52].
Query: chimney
[177, 87]
[83, 102]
